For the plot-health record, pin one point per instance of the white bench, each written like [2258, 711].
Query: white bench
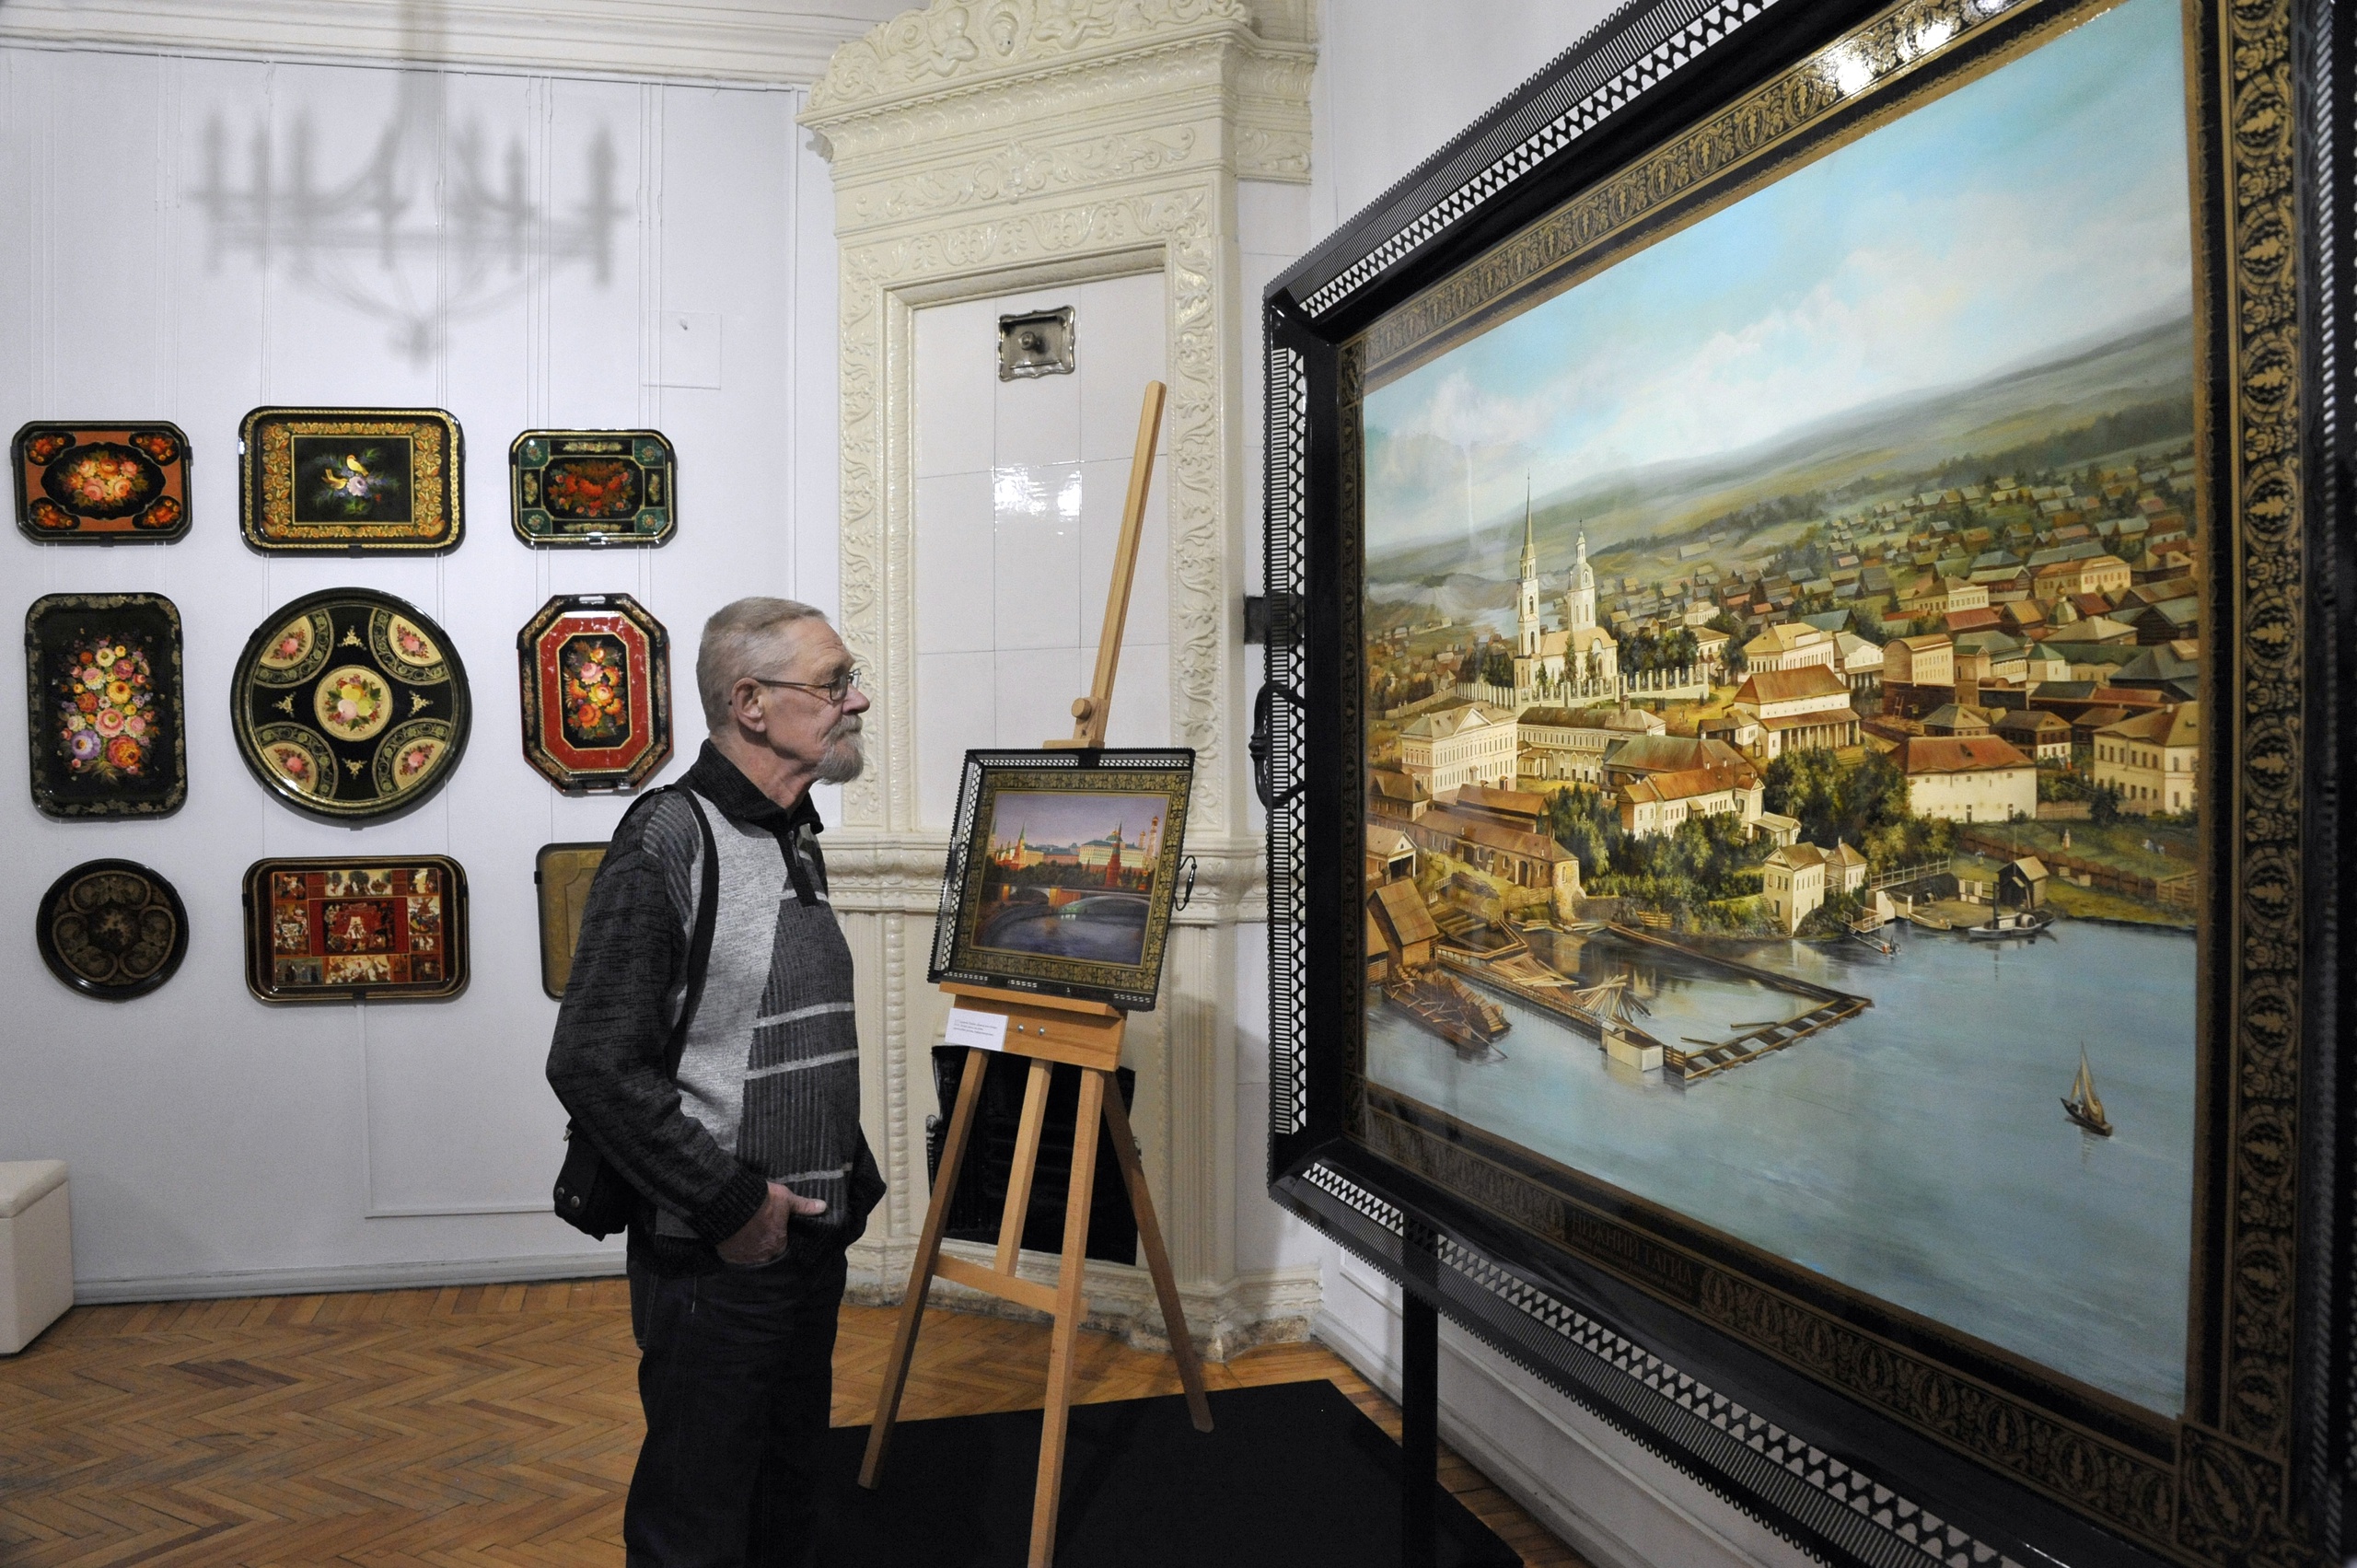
[36, 1249]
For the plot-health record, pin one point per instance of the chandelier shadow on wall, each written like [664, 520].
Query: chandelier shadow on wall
[436, 226]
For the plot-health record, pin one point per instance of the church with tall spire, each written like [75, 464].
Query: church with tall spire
[1578, 650]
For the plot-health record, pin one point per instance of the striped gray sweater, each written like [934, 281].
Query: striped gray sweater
[768, 1085]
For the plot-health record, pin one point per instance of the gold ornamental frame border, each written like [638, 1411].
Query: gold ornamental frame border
[2219, 1489]
[1171, 786]
[266, 480]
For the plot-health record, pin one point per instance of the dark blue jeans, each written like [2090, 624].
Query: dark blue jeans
[735, 1374]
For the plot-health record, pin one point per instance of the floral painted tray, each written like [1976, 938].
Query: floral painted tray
[597, 685]
[105, 715]
[350, 704]
[342, 930]
[593, 487]
[109, 484]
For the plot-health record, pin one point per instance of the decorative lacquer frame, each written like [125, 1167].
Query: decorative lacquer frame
[588, 488]
[1842, 1428]
[1025, 867]
[356, 928]
[106, 703]
[348, 705]
[338, 480]
[595, 676]
[129, 484]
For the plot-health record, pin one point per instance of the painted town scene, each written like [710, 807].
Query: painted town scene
[1782, 656]
[1071, 875]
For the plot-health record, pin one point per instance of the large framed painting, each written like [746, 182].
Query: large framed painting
[347, 481]
[1805, 896]
[349, 703]
[356, 928]
[112, 929]
[111, 483]
[106, 715]
[595, 675]
[587, 488]
[1063, 869]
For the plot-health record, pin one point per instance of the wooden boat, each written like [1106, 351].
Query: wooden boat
[2082, 1105]
[2020, 925]
[1443, 1006]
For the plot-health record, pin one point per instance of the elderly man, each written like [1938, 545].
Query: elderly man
[752, 1174]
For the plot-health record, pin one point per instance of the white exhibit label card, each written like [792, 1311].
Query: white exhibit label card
[982, 1031]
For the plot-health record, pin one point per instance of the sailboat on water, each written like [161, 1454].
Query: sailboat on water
[2082, 1105]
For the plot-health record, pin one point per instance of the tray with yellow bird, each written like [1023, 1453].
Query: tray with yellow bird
[350, 481]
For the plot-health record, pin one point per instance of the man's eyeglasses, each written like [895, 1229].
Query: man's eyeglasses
[834, 691]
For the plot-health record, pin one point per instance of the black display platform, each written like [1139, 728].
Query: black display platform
[1291, 1474]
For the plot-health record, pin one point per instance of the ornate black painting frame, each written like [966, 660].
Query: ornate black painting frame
[1028, 904]
[1854, 1432]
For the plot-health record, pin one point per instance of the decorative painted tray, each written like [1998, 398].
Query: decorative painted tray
[358, 928]
[350, 704]
[349, 480]
[596, 684]
[102, 484]
[112, 929]
[562, 875]
[592, 487]
[105, 717]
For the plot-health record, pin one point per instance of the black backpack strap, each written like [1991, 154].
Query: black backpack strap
[700, 944]
[707, 916]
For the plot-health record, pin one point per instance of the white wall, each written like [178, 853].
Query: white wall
[1397, 79]
[215, 1143]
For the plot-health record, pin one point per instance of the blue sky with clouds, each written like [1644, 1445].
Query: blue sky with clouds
[2038, 206]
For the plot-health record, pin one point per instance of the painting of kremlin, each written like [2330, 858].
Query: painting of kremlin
[1071, 876]
[1783, 656]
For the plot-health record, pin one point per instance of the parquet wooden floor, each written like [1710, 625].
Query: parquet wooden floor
[459, 1428]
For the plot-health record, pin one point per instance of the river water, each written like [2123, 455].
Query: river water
[1919, 1151]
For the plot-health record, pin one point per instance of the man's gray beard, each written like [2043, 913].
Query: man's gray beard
[845, 758]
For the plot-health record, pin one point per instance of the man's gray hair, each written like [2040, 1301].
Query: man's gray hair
[741, 640]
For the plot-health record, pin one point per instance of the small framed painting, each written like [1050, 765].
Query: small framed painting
[104, 705]
[562, 875]
[357, 929]
[107, 483]
[349, 480]
[112, 929]
[350, 704]
[1064, 867]
[595, 670]
[593, 487]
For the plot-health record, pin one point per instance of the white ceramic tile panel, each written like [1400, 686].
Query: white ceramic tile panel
[1122, 349]
[1035, 689]
[1142, 697]
[1036, 602]
[957, 711]
[957, 355]
[956, 564]
[1037, 511]
[1105, 488]
[1037, 420]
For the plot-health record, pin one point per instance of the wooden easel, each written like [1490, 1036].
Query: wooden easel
[1048, 1030]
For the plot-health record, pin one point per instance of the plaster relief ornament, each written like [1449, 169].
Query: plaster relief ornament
[102, 484]
[350, 704]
